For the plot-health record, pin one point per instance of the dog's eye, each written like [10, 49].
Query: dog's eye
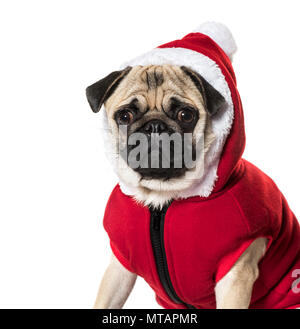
[125, 117]
[185, 115]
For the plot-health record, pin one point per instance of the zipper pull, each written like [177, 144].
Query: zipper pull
[156, 220]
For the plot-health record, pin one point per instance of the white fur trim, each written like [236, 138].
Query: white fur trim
[221, 123]
[221, 35]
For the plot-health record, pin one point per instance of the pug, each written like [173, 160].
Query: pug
[204, 227]
[156, 99]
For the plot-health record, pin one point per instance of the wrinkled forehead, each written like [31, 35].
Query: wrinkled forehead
[155, 85]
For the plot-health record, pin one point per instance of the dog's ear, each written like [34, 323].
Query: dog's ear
[213, 100]
[99, 92]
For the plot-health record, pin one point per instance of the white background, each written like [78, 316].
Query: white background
[54, 179]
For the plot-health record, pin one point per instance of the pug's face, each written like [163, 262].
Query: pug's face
[160, 119]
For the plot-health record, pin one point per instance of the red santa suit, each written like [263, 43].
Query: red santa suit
[183, 250]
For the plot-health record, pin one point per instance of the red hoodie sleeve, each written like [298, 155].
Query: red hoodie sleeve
[256, 226]
[120, 257]
[230, 259]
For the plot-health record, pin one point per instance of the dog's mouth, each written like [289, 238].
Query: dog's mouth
[161, 163]
[160, 173]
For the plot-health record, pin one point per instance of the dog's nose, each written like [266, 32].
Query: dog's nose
[154, 126]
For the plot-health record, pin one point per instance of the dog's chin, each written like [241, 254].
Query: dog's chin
[163, 185]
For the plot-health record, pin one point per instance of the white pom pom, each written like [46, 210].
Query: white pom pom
[220, 34]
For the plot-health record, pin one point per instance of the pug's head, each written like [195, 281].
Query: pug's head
[159, 119]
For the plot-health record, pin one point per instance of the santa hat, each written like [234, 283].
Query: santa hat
[208, 50]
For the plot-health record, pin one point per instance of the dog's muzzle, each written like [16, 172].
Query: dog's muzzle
[156, 151]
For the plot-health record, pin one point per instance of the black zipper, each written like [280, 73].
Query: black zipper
[157, 222]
